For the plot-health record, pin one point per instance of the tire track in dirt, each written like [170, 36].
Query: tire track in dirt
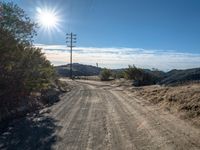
[128, 124]
[94, 118]
[75, 126]
[103, 133]
[176, 132]
[66, 99]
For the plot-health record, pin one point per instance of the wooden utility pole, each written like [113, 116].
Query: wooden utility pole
[71, 39]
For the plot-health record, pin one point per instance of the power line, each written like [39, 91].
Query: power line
[71, 40]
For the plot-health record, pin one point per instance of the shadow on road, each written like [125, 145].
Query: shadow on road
[29, 133]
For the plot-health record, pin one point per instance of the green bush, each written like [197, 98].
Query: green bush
[105, 74]
[23, 68]
[139, 76]
[133, 73]
[14, 20]
[118, 74]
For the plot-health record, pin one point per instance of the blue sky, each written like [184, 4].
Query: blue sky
[158, 29]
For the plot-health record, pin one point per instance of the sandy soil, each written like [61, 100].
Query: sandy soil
[95, 116]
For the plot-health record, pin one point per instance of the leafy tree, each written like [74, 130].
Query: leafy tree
[118, 74]
[140, 76]
[23, 68]
[133, 73]
[105, 74]
[14, 20]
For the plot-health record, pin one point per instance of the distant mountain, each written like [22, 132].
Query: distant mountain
[181, 76]
[78, 70]
[175, 76]
[167, 78]
[158, 73]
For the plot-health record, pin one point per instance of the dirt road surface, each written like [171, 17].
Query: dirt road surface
[97, 116]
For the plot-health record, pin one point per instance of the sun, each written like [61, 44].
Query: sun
[47, 19]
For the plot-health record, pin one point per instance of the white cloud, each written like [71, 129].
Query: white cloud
[122, 57]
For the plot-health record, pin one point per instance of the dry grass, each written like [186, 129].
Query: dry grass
[184, 99]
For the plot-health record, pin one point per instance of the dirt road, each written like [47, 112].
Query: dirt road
[98, 116]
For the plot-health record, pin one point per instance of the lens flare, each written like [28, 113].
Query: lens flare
[48, 19]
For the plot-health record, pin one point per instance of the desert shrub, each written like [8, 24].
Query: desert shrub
[139, 76]
[133, 73]
[105, 74]
[118, 74]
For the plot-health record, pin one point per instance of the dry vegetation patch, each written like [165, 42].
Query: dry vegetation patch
[184, 99]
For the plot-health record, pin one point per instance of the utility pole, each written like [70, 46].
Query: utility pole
[71, 39]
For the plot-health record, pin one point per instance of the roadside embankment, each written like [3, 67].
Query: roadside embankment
[181, 100]
[33, 102]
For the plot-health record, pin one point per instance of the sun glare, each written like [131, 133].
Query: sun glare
[47, 19]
